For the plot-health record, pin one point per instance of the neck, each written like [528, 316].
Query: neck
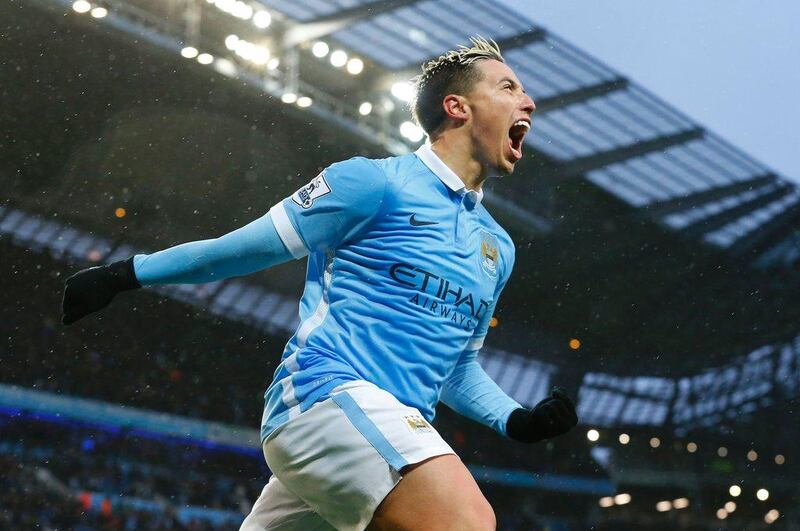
[458, 155]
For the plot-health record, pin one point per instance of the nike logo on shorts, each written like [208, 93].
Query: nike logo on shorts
[419, 223]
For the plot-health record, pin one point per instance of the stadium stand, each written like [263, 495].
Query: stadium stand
[671, 254]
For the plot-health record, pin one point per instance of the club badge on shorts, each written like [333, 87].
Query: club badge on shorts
[417, 424]
[489, 254]
[306, 195]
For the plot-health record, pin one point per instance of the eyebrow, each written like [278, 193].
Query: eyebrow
[513, 83]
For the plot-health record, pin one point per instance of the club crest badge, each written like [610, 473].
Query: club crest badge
[417, 424]
[489, 254]
[306, 195]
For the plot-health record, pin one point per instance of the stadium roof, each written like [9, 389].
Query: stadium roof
[591, 121]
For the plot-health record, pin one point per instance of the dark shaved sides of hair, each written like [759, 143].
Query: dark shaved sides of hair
[451, 73]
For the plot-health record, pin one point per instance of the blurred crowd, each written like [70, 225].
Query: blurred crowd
[150, 352]
[28, 502]
[122, 463]
[192, 365]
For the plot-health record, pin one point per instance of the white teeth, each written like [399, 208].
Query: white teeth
[522, 122]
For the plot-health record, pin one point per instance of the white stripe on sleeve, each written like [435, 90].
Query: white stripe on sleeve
[286, 231]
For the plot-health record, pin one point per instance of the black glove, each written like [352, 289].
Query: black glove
[90, 290]
[555, 415]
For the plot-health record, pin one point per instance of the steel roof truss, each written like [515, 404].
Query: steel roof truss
[714, 222]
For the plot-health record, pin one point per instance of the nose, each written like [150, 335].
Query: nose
[527, 104]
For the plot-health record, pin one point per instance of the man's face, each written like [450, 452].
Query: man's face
[501, 115]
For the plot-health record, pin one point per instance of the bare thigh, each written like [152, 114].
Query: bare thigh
[438, 494]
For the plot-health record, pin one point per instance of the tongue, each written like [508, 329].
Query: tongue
[516, 147]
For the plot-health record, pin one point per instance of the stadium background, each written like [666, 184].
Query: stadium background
[656, 271]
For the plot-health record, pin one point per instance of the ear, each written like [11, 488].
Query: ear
[456, 107]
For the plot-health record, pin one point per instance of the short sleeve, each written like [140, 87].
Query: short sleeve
[331, 209]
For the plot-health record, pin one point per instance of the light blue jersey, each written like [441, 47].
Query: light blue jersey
[404, 269]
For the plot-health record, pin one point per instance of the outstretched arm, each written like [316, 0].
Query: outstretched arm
[333, 208]
[247, 249]
[251, 248]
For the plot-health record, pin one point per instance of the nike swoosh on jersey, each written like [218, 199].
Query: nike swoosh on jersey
[419, 223]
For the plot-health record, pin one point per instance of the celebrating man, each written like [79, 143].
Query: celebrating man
[405, 267]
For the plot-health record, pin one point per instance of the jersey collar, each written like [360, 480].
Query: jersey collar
[445, 174]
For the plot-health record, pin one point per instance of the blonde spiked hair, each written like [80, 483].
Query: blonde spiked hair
[451, 73]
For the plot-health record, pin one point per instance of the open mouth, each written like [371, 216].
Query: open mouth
[515, 135]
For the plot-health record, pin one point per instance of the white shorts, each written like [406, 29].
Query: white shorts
[333, 464]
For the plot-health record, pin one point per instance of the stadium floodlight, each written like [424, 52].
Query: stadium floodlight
[262, 19]
[304, 101]
[412, 131]
[249, 51]
[189, 52]
[338, 58]
[99, 12]
[238, 9]
[225, 5]
[593, 435]
[355, 66]
[771, 516]
[622, 499]
[81, 6]
[273, 63]
[205, 58]
[730, 506]
[225, 67]
[681, 503]
[320, 49]
[663, 506]
[260, 55]
[289, 97]
[231, 41]
[722, 514]
[244, 49]
[735, 490]
[606, 501]
[762, 494]
[242, 11]
[235, 8]
[624, 438]
[403, 91]
[365, 108]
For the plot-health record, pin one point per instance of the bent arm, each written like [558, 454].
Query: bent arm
[248, 249]
[469, 391]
